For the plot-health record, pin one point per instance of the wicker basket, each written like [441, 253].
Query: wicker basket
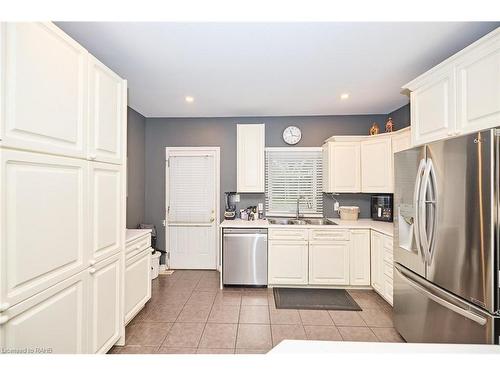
[349, 212]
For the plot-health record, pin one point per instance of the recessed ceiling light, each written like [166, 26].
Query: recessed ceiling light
[189, 99]
[344, 96]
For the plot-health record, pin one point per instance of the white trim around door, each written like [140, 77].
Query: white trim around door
[185, 229]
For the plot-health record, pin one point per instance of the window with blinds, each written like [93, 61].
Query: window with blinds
[292, 173]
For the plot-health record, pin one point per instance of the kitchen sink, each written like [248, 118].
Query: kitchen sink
[286, 221]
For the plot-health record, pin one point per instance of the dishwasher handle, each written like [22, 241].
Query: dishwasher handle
[245, 231]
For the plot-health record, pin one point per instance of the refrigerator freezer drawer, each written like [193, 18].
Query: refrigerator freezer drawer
[425, 313]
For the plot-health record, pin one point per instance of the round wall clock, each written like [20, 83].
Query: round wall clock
[292, 135]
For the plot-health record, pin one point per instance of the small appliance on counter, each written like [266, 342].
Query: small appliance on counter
[350, 213]
[381, 207]
[230, 211]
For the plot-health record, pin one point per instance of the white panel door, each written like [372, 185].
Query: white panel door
[287, 262]
[329, 263]
[376, 165]
[433, 108]
[360, 257]
[137, 283]
[107, 114]
[376, 261]
[44, 214]
[106, 213]
[345, 167]
[105, 317]
[192, 206]
[54, 320]
[44, 89]
[478, 87]
[250, 163]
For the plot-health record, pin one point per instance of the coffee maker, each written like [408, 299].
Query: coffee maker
[381, 207]
[230, 210]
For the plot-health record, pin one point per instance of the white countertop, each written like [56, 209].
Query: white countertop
[379, 226]
[132, 234]
[328, 347]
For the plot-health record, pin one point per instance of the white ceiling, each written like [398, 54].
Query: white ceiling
[270, 69]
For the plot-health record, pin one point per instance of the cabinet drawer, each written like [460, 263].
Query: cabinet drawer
[136, 246]
[388, 251]
[329, 235]
[388, 269]
[288, 234]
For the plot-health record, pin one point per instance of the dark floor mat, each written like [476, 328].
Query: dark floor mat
[314, 299]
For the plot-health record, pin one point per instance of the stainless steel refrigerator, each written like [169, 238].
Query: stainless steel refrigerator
[446, 234]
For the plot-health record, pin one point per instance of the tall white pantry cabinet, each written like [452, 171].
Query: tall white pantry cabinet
[62, 194]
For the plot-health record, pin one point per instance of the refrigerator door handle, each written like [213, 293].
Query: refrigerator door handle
[451, 306]
[422, 209]
[433, 206]
[416, 222]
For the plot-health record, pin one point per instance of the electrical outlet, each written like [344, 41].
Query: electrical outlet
[164, 223]
[336, 206]
[236, 198]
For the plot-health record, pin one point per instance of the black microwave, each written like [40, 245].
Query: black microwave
[381, 207]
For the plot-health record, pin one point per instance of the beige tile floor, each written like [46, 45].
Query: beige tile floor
[188, 313]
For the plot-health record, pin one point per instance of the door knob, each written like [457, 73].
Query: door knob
[92, 262]
[92, 156]
[3, 319]
[4, 306]
[92, 270]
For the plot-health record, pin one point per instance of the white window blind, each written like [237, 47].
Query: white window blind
[191, 195]
[292, 173]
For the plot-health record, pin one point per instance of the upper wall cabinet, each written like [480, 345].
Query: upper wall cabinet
[376, 165]
[341, 167]
[250, 158]
[43, 94]
[107, 113]
[461, 95]
[401, 140]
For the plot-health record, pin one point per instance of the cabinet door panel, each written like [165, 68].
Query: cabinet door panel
[433, 108]
[54, 319]
[345, 167]
[360, 257]
[329, 263]
[106, 210]
[478, 86]
[107, 119]
[45, 105]
[137, 283]
[401, 141]
[250, 158]
[44, 207]
[105, 314]
[376, 165]
[287, 262]
[376, 261]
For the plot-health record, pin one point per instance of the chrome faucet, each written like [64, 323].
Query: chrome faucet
[297, 213]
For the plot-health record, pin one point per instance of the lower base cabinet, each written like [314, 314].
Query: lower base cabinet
[329, 263]
[382, 265]
[137, 283]
[53, 321]
[105, 308]
[287, 262]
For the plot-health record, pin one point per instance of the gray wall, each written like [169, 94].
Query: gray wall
[176, 132]
[401, 117]
[136, 153]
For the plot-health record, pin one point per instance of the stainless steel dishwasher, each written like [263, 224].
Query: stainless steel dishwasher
[244, 257]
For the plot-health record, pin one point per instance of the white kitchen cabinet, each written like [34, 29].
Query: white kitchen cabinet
[54, 320]
[287, 262]
[44, 88]
[359, 261]
[329, 263]
[341, 167]
[137, 283]
[44, 226]
[460, 95]
[376, 261]
[106, 214]
[401, 140]
[250, 164]
[105, 315]
[433, 107]
[478, 87]
[376, 165]
[382, 265]
[107, 114]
